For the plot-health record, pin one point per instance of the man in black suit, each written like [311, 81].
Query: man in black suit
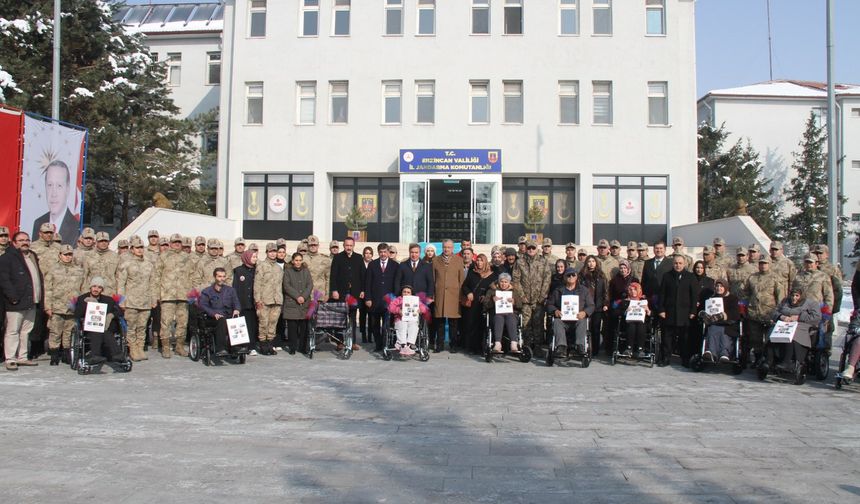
[346, 278]
[57, 187]
[653, 271]
[379, 282]
[678, 294]
[23, 290]
[415, 273]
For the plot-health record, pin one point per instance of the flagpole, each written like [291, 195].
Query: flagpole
[832, 189]
[55, 91]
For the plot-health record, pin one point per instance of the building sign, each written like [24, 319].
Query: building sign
[450, 161]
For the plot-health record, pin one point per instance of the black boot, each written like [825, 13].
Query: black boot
[55, 356]
[67, 356]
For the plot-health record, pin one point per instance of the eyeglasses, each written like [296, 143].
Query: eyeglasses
[532, 248]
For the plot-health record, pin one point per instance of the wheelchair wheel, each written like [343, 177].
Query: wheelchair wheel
[311, 354]
[822, 365]
[737, 368]
[585, 362]
[696, 363]
[613, 359]
[74, 349]
[762, 371]
[346, 353]
[423, 354]
[242, 358]
[387, 354]
[194, 346]
[207, 356]
[526, 354]
[126, 366]
[550, 356]
[488, 357]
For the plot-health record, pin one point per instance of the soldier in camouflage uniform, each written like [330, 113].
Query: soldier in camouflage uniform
[123, 251]
[86, 245]
[570, 258]
[102, 262]
[754, 252]
[615, 250]
[173, 280]
[739, 273]
[333, 248]
[521, 247]
[234, 259]
[834, 271]
[320, 267]
[186, 244]
[546, 251]
[4, 240]
[46, 250]
[64, 282]
[608, 264]
[723, 259]
[136, 283]
[782, 266]
[713, 269]
[814, 284]
[205, 269]
[199, 250]
[637, 264]
[678, 248]
[531, 280]
[269, 297]
[153, 250]
[763, 292]
[642, 248]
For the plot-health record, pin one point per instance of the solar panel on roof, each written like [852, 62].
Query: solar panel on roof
[204, 12]
[159, 14]
[120, 13]
[180, 13]
[136, 15]
[219, 13]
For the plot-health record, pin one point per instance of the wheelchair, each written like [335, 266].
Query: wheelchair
[850, 337]
[422, 342]
[798, 370]
[648, 355]
[818, 358]
[583, 355]
[80, 346]
[525, 353]
[201, 344]
[331, 320]
[697, 361]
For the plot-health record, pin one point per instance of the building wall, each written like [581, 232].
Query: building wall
[193, 96]
[850, 140]
[540, 58]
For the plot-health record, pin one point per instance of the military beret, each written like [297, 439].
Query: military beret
[46, 228]
[719, 241]
[313, 240]
[102, 236]
[547, 241]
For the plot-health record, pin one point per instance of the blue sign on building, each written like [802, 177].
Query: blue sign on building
[450, 161]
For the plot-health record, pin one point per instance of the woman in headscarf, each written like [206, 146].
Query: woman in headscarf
[807, 313]
[557, 279]
[592, 277]
[617, 296]
[634, 330]
[474, 289]
[243, 283]
[722, 328]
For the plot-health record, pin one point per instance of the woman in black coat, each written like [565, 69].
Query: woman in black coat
[592, 277]
[706, 291]
[617, 301]
[557, 278]
[474, 288]
[243, 283]
[722, 327]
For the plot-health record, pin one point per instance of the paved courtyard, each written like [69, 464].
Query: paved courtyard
[455, 429]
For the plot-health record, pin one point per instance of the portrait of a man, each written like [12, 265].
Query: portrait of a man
[57, 187]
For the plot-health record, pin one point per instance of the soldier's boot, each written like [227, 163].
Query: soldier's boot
[165, 349]
[140, 350]
[180, 348]
[67, 356]
[133, 351]
[55, 356]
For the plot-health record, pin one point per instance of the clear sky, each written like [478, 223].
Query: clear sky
[731, 41]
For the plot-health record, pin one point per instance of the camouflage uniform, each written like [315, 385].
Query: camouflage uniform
[102, 263]
[737, 276]
[268, 291]
[763, 292]
[531, 281]
[815, 285]
[136, 282]
[783, 268]
[47, 252]
[608, 265]
[173, 280]
[715, 271]
[203, 273]
[320, 267]
[63, 283]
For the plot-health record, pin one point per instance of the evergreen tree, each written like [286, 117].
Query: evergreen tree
[729, 177]
[111, 85]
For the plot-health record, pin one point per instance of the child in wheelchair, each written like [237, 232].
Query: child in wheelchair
[503, 321]
[406, 330]
[107, 319]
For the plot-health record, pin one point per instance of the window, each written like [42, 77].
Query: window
[513, 17]
[855, 164]
[307, 102]
[655, 17]
[658, 103]
[425, 98]
[569, 17]
[603, 17]
[426, 17]
[174, 69]
[279, 205]
[855, 112]
[257, 24]
[213, 68]
[339, 92]
[513, 91]
[628, 208]
[568, 102]
[254, 94]
[310, 17]
[341, 18]
[378, 198]
[602, 102]
[394, 17]
[391, 95]
[480, 17]
[479, 102]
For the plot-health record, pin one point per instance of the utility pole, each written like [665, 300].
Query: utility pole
[55, 91]
[832, 187]
[769, 43]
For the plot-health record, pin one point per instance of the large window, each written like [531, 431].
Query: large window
[513, 91]
[630, 208]
[655, 17]
[602, 93]
[377, 198]
[306, 102]
[279, 205]
[392, 92]
[480, 17]
[426, 17]
[213, 68]
[602, 12]
[254, 106]
[257, 18]
[514, 17]
[174, 69]
[658, 103]
[425, 100]
[479, 102]
[568, 17]
[310, 18]
[568, 102]
[339, 92]
[556, 196]
[394, 17]
[340, 19]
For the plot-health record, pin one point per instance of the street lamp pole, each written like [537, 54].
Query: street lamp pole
[55, 91]
[832, 187]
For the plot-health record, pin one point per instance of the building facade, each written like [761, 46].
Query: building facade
[453, 119]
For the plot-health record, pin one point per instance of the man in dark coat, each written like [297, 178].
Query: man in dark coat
[346, 277]
[415, 273]
[678, 296]
[379, 282]
[23, 295]
[653, 271]
[57, 187]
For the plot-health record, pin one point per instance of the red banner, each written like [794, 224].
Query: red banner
[11, 155]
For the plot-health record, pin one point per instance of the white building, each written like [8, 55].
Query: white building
[773, 115]
[582, 107]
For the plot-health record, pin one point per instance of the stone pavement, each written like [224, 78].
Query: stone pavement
[455, 429]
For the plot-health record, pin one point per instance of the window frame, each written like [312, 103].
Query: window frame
[335, 9]
[419, 95]
[423, 7]
[513, 95]
[174, 64]
[480, 5]
[302, 97]
[562, 7]
[249, 96]
[209, 65]
[473, 84]
[511, 5]
[252, 10]
[305, 8]
[567, 95]
[390, 6]
[337, 94]
[388, 87]
[661, 7]
[664, 96]
[608, 94]
[595, 7]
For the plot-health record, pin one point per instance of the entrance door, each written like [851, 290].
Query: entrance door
[450, 210]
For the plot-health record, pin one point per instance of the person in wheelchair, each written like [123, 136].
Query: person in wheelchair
[502, 321]
[407, 330]
[807, 313]
[99, 340]
[636, 332]
[219, 301]
[852, 346]
[722, 328]
[561, 328]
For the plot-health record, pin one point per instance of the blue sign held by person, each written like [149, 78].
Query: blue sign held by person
[450, 161]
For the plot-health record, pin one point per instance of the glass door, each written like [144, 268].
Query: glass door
[486, 222]
[450, 214]
[413, 211]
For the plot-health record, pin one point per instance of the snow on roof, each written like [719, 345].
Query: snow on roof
[172, 18]
[786, 89]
